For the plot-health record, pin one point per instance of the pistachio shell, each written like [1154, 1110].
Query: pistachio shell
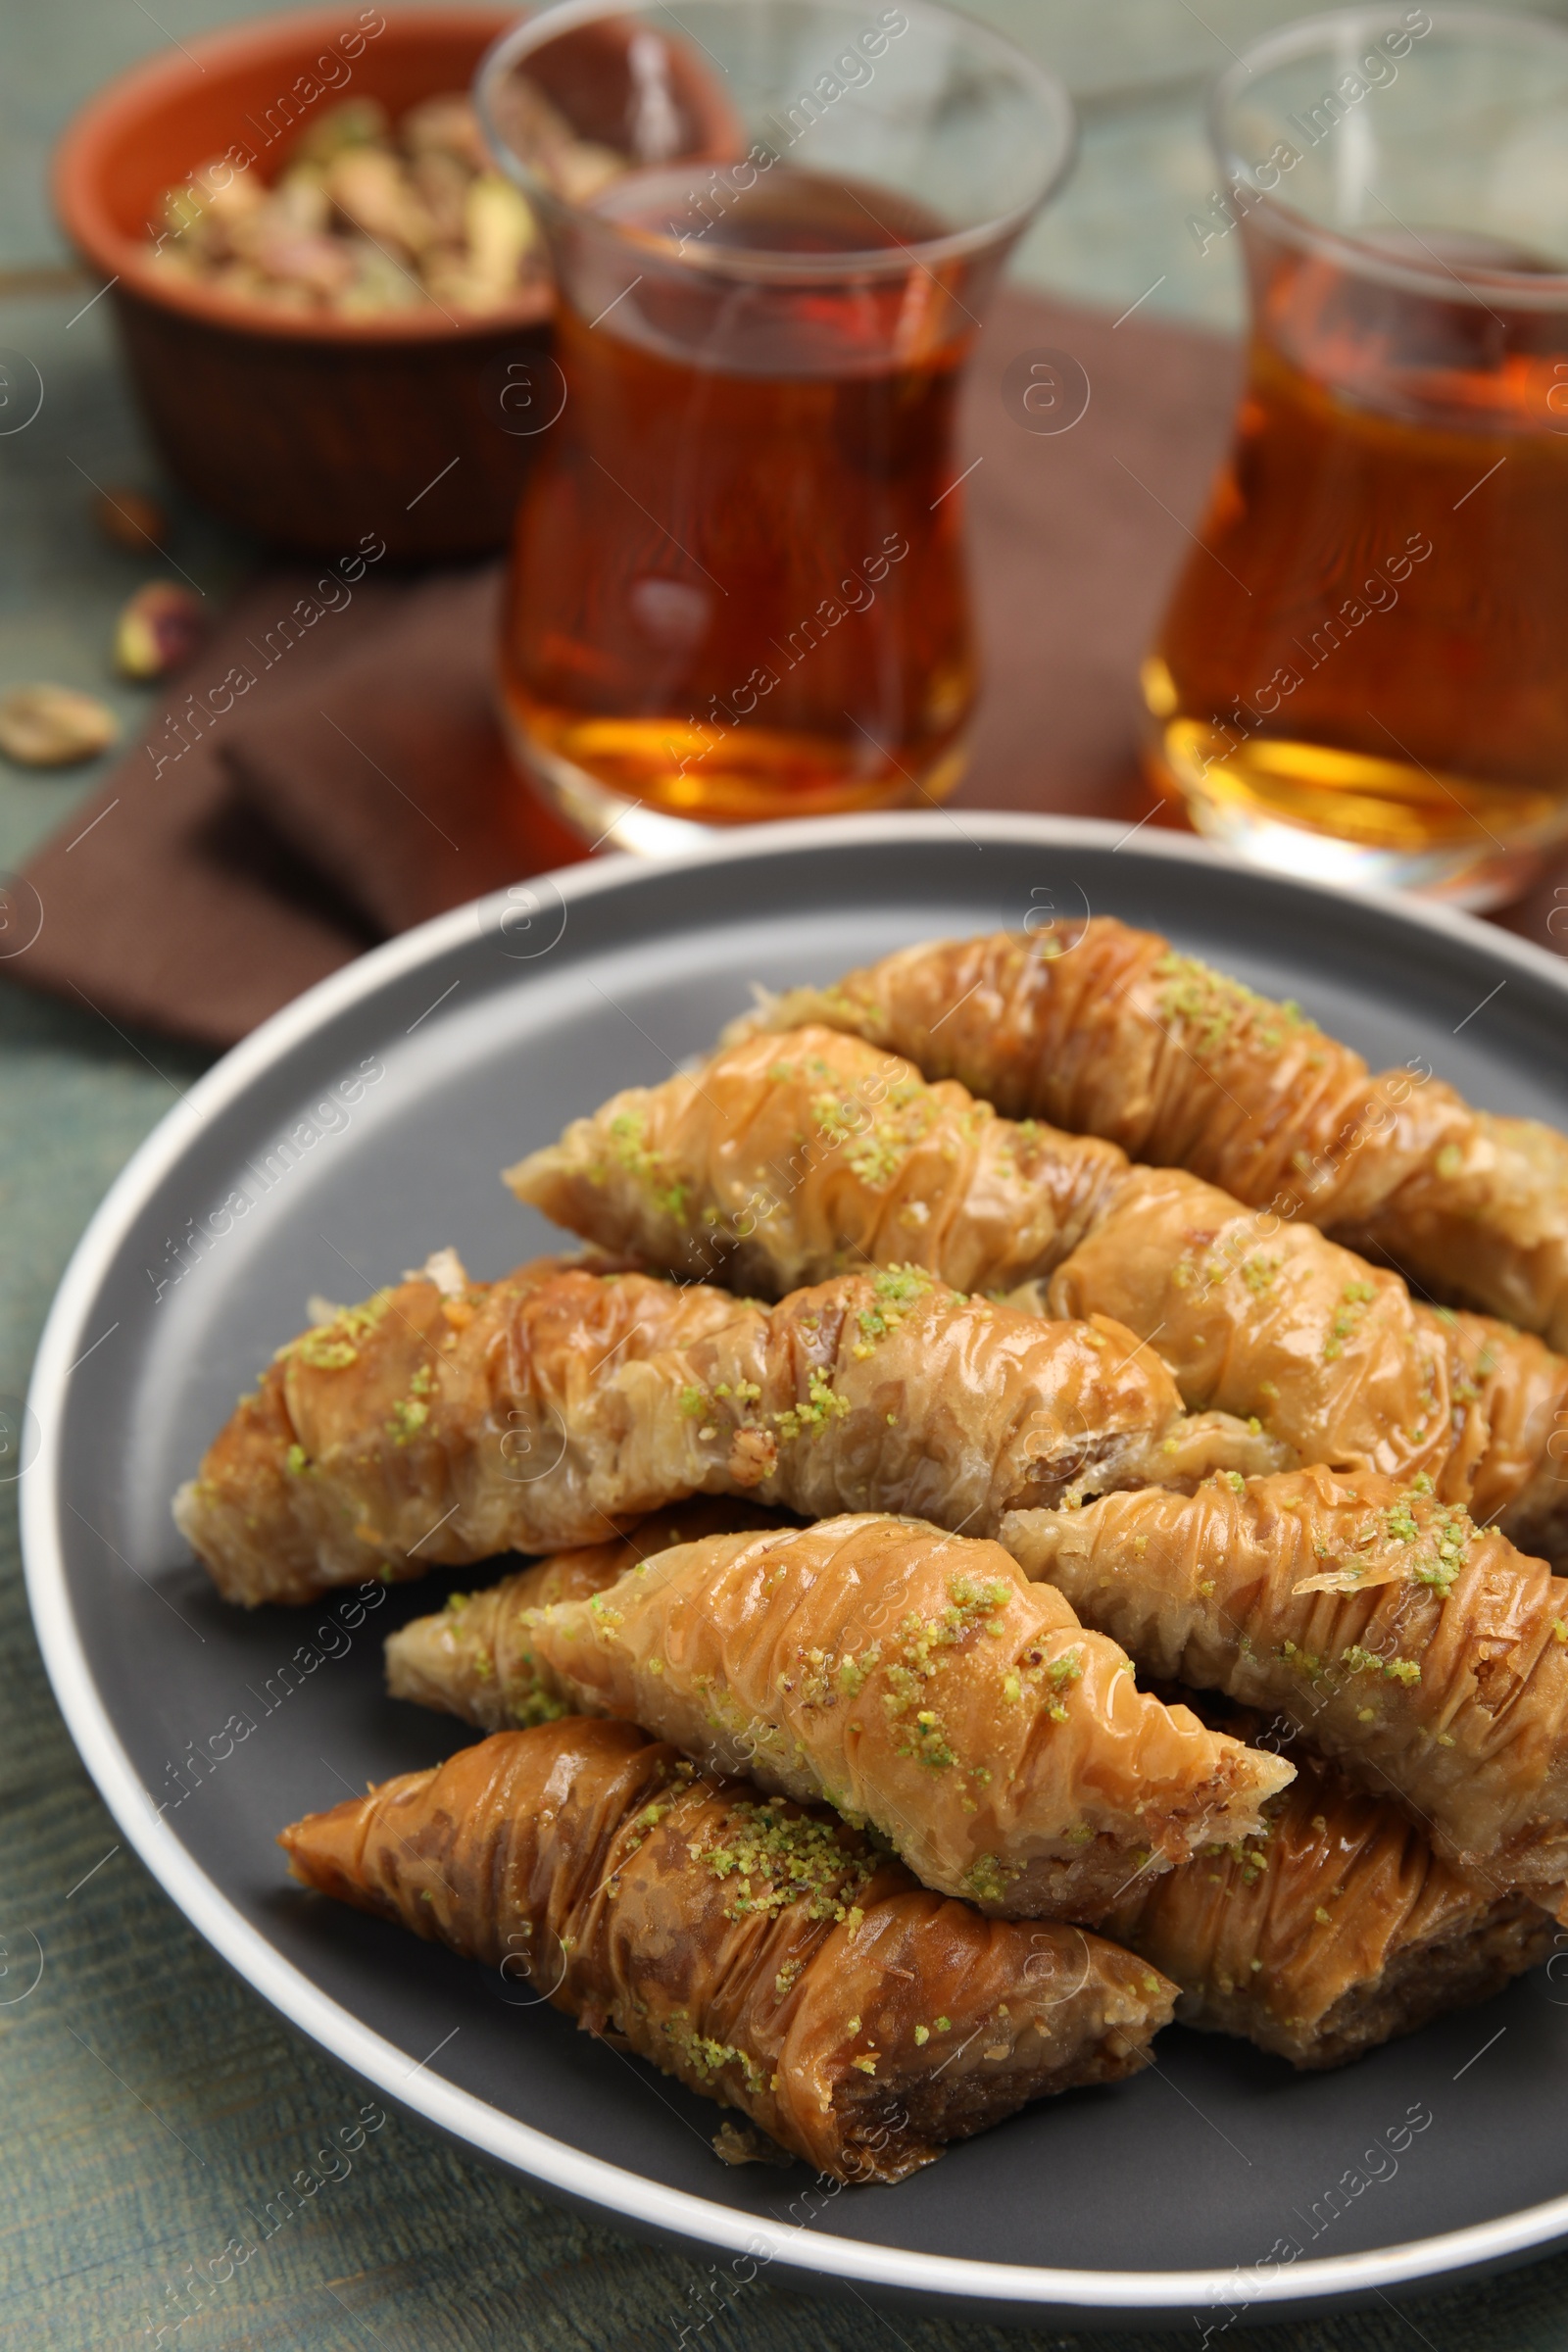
[158, 630]
[356, 123]
[366, 217]
[371, 191]
[53, 726]
[447, 125]
[230, 195]
[500, 231]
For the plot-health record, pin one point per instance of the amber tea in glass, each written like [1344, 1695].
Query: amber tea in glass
[1363, 672]
[738, 588]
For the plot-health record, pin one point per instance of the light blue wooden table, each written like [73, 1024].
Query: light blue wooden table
[148, 2099]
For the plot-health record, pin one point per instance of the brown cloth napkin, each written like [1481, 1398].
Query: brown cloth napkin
[267, 833]
[241, 853]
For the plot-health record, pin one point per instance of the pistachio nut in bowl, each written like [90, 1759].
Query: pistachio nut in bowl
[322, 288]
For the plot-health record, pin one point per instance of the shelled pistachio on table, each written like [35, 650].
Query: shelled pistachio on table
[366, 216]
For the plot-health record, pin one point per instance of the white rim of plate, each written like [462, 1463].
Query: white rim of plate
[646, 2204]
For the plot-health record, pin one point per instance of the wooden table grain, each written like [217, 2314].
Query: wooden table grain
[155, 2111]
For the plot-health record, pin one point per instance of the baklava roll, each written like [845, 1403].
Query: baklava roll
[769, 1958]
[1110, 1032]
[439, 1422]
[560, 1405]
[784, 1159]
[1335, 1929]
[787, 1158]
[1421, 1652]
[918, 1682]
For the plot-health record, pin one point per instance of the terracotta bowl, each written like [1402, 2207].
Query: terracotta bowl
[307, 432]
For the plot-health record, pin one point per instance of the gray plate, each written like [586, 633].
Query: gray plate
[405, 1084]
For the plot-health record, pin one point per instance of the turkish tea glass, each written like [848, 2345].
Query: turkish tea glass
[737, 586]
[1363, 672]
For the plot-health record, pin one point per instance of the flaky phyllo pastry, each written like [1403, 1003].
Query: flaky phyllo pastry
[786, 1158]
[1329, 1929]
[920, 1683]
[1108, 1031]
[476, 1659]
[1423, 1654]
[1333, 1931]
[437, 1425]
[771, 1958]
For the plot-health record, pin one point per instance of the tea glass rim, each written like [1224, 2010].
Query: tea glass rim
[1532, 290]
[1060, 113]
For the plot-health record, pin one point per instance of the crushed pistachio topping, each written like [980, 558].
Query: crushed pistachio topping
[987, 1880]
[776, 1857]
[893, 1289]
[1355, 1299]
[707, 2057]
[1216, 1010]
[923, 1644]
[853, 1671]
[926, 1739]
[1358, 1660]
[875, 1147]
[823, 1406]
[529, 1708]
[1438, 1539]
[406, 1418]
[629, 1147]
[1454, 1531]
[332, 1346]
